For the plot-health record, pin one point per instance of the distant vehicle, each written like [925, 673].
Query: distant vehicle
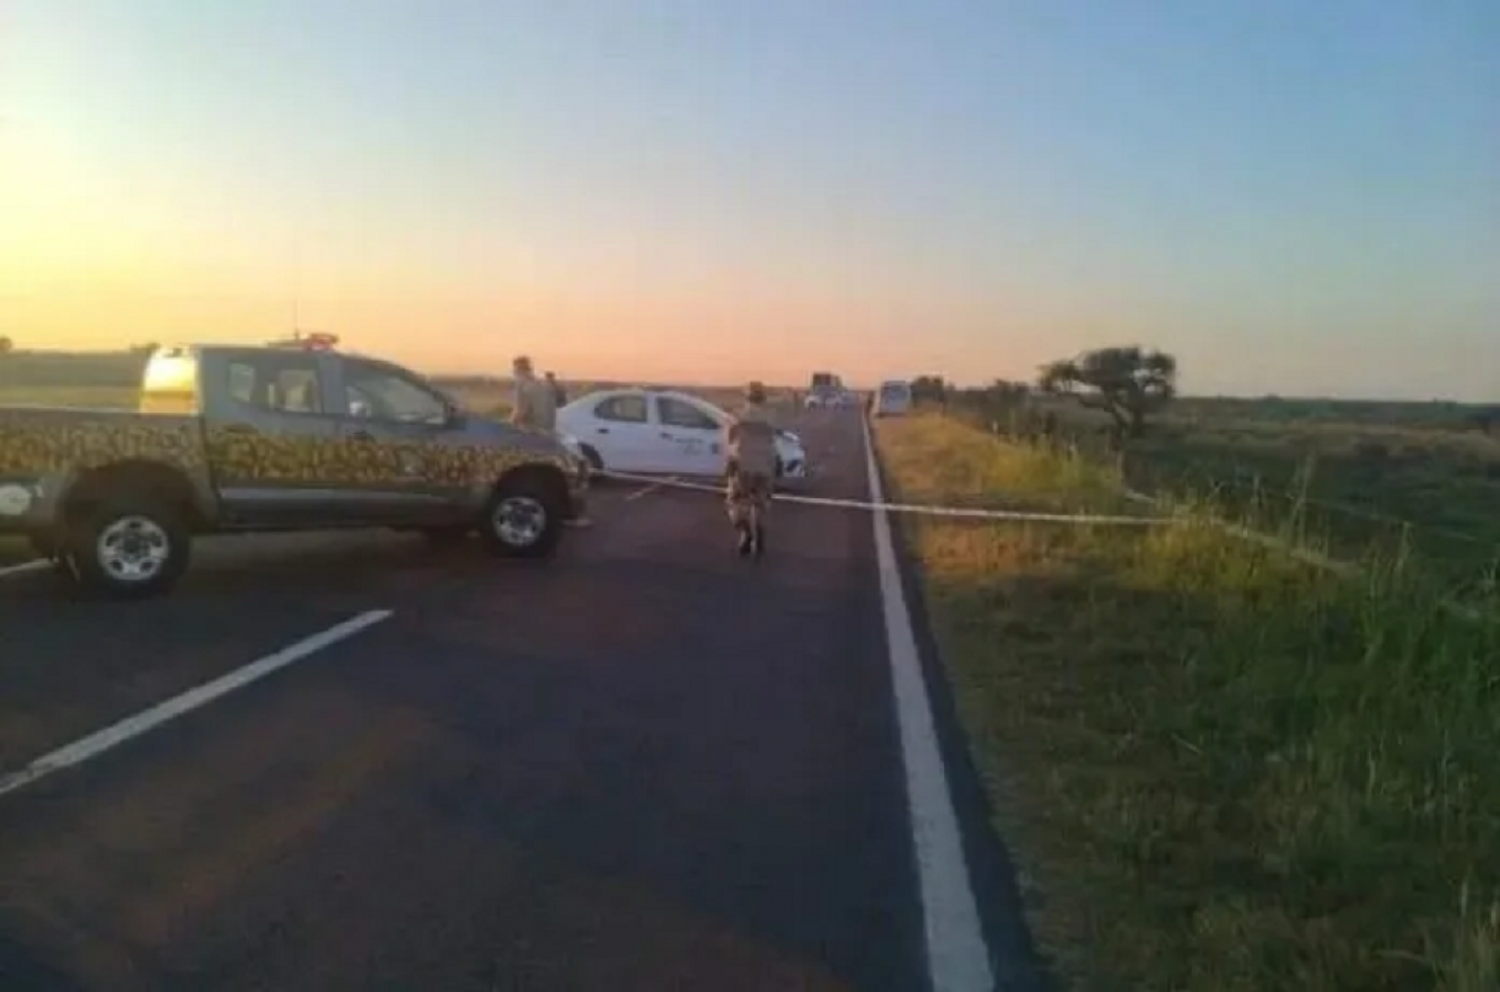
[291, 436]
[662, 432]
[827, 391]
[893, 398]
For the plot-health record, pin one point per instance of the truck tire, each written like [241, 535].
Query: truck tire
[524, 516]
[129, 547]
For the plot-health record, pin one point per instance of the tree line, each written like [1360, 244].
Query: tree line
[1129, 383]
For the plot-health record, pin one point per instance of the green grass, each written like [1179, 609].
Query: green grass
[1217, 768]
[1361, 485]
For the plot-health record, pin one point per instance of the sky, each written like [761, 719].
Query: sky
[1291, 197]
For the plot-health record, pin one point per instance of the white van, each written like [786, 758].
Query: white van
[893, 398]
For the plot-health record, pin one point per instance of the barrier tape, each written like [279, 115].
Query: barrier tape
[971, 513]
[1305, 555]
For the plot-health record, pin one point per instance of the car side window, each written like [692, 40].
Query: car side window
[279, 383]
[382, 393]
[629, 409]
[676, 413]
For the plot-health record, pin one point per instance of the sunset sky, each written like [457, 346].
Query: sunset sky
[1293, 197]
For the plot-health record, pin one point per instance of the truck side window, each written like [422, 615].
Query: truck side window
[387, 394]
[276, 382]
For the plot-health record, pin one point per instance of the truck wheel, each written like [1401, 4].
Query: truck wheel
[130, 548]
[524, 517]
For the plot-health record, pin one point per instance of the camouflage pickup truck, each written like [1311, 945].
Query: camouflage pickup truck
[273, 438]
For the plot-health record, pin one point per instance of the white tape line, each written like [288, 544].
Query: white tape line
[972, 513]
[648, 490]
[1306, 556]
[25, 568]
[133, 726]
[958, 958]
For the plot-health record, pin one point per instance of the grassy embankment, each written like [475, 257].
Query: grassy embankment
[1392, 481]
[1217, 769]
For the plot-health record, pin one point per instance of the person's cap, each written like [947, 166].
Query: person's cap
[522, 362]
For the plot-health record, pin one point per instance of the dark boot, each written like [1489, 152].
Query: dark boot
[760, 540]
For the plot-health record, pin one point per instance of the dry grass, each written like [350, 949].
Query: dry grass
[1218, 769]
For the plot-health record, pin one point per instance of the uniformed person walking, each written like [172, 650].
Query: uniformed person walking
[750, 441]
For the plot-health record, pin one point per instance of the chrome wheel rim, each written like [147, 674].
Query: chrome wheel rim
[520, 521]
[133, 549]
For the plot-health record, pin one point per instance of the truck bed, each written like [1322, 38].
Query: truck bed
[42, 441]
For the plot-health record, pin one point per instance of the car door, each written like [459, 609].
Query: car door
[271, 439]
[392, 437]
[619, 428]
[694, 438]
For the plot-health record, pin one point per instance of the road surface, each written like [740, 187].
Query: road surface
[645, 765]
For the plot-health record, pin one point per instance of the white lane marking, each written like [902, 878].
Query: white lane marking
[653, 487]
[25, 568]
[958, 959]
[133, 726]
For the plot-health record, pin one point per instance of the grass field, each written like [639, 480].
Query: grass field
[1364, 478]
[1217, 769]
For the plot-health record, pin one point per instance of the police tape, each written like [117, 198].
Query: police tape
[961, 512]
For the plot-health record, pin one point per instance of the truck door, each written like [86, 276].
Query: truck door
[393, 441]
[271, 441]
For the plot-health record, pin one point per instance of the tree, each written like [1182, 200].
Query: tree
[928, 388]
[6, 345]
[1128, 383]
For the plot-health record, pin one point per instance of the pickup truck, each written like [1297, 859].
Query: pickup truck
[277, 438]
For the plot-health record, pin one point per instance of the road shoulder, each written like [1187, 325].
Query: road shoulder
[1013, 962]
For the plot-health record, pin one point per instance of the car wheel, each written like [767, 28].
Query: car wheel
[129, 548]
[524, 516]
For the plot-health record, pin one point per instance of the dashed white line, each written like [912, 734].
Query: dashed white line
[958, 959]
[116, 734]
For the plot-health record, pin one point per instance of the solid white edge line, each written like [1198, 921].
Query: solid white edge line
[25, 568]
[958, 959]
[133, 726]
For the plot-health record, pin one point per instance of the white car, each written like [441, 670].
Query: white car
[662, 432]
[836, 398]
[893, 398]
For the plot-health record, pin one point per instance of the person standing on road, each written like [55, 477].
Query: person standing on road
[534, 406]
[750, 442]
[559, 395]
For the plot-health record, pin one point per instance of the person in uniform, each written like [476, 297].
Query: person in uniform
[750, 442]
[559, 396]
[535, 404]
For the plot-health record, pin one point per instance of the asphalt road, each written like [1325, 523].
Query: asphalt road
[647, 764]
